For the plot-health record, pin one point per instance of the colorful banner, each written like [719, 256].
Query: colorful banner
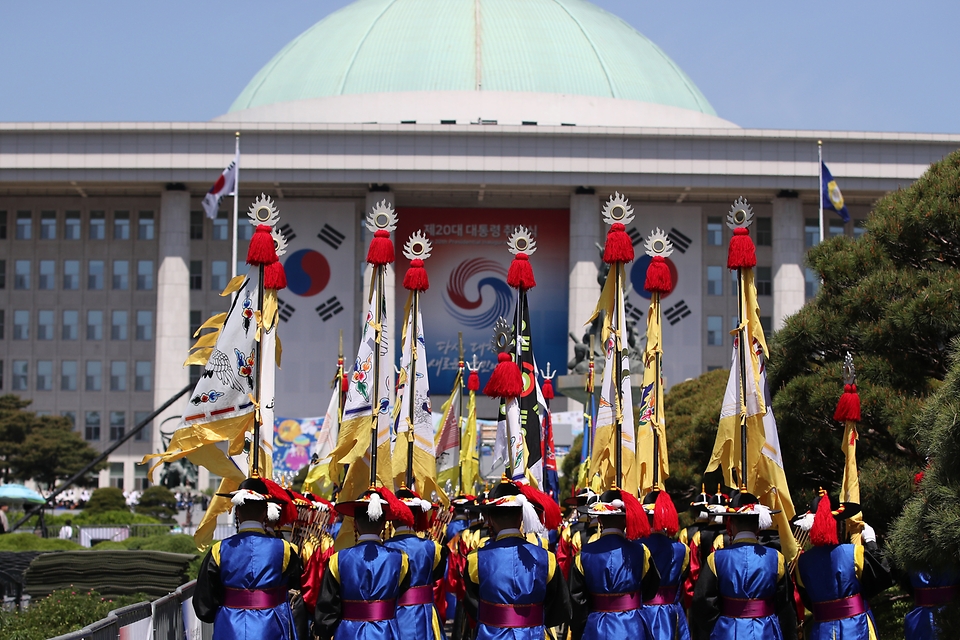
[293, 440]
[468, 283]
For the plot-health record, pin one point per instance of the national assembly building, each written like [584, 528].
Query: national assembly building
[470, 121]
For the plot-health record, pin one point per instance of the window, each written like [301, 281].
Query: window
[145, 226]
[144, 325]
[71, 322]
[47, 274]
[811, 283]
[3, 225]
[835, 228]
[21, 371]
[121, 225]
[3, 319]
[91, 427]
[44, 375]
[196, 275]
[21, 324]
[121, 275]
[764, 281]
[3, 274]
[71, 417]
[764, 232]
[71, 225]
[71, 275]
[68, 375]
[767, 323]
[218, 275]
[45, 324]
[118, 375]
[221, 227]
[196, 225]
[196, 319]
[811, 232]
[144, 275]
[143, 376]
[21, 274]
[859, 227]
[94, 324]
[95, 275]
[715, 330]
[118, 424]
[714, 231]
[118, 324]
[140, 480]
[48, 225]
[145, 434]
[244, 229]
[116, 475]
[715, 281]
[734, 283]
[24, 225]
[94, 377]
[98, 225]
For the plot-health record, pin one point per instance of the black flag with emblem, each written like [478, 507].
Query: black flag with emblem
[532, 404]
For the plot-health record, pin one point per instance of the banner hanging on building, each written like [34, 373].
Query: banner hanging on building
[293, 440]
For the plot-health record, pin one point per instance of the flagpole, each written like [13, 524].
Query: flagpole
[460, 415]
[618, 373]
[655, 296]
[820, 185]
[375, 398]
[257, 419]
[236, 209]
[741, 311]
[339, 380]
[411, 386]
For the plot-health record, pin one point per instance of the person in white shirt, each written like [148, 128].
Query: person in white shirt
[66, 531]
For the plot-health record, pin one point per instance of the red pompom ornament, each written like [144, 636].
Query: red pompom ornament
[262, 249]
[742, 254]
[274, 277]
[638, 526]
[658, 278]
[473, 381]
[520, 275]
[550, 514]
[344, 383]
[415, 279]
[824, 530]
[848, 408]
[619, 246]
[381, 249]
[547, 389]
[399, 512]
[506, 381]
[665, 519]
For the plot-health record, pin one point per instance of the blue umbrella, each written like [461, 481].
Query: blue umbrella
[19, 493]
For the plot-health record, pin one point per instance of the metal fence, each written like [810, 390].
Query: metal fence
[89, 536]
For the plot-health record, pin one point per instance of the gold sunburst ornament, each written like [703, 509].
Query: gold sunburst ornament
[521, 241]
[849, 371]
[618, 209]
[503, 341]
[740, 214]
[264, 211]
[417, 247]
[658, 244]
[382, 217]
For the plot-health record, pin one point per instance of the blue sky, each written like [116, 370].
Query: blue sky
[852, 65]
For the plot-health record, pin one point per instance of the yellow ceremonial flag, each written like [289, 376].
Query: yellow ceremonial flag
[651, 407]
[850, 486]
[469, 455]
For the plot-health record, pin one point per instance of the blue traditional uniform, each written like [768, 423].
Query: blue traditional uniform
[243, 583]
[931, 592]
[663, 613]
[454, 527]
[609, 581]
[416, 614]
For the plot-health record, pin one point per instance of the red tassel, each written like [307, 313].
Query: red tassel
[547, 389]
[824, 531]
[506, 380]
[665, 518]
[381, 249]
[399, 513]
[742, 254]
[619, 247]
[637, 524]
[415, 279]
[848, 408]
[550, 514]
[261, 250]
[658, 278]
[473, 381]
[344, 383]
[274, 277]
[520, 275]
[288, 511]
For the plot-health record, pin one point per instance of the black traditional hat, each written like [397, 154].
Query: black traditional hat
[376, 503]
[251, 489]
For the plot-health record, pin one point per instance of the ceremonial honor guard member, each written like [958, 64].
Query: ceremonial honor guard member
[514, 589]
[663, 612]
[700, 537]
[416, 614]
[931, 593]
[613, 576]
[243, 581]
[573, 537]
[834, 579]
[744, 590]
[361, 585]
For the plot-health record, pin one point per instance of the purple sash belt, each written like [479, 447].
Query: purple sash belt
[510, 615]
[934, 596]
[665, 595]
[369, 611]
[839, 609]
[747, 608]
[615, 602]
[254, 598]
[416, 595]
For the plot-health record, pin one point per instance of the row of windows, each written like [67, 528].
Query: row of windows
[69, 226]
[715, 332]
[93, 376]
[220, 226]
[832, 227]
[762, 278]
[219, 275]
[93, 421]
[120, 276]
[763, 231]
[70, 324]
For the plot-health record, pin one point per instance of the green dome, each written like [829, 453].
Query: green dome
[536, 46]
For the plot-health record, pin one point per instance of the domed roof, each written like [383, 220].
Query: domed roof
[568, 47]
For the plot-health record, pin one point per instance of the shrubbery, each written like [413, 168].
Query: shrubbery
[59, 613]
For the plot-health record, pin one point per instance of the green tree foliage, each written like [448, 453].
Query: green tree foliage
[692, 413]
[106, 499]
[570, 466]
[157, 502]
[892, 298]
[40, 448]
[59, 613]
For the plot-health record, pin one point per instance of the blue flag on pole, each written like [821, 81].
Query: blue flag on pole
[830, 195]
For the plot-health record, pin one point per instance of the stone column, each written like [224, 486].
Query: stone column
[173, 307]
[788, 256]
[390, 289]
[585, 233]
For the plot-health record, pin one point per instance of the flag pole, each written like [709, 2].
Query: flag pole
[460, 366]
[588, 435]
[741, 312]
[820, 185]
[257, 419]
[375, 398]
[655, 298]
[618, 374]
[411, 385]
[236, 208]
[339, 380]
